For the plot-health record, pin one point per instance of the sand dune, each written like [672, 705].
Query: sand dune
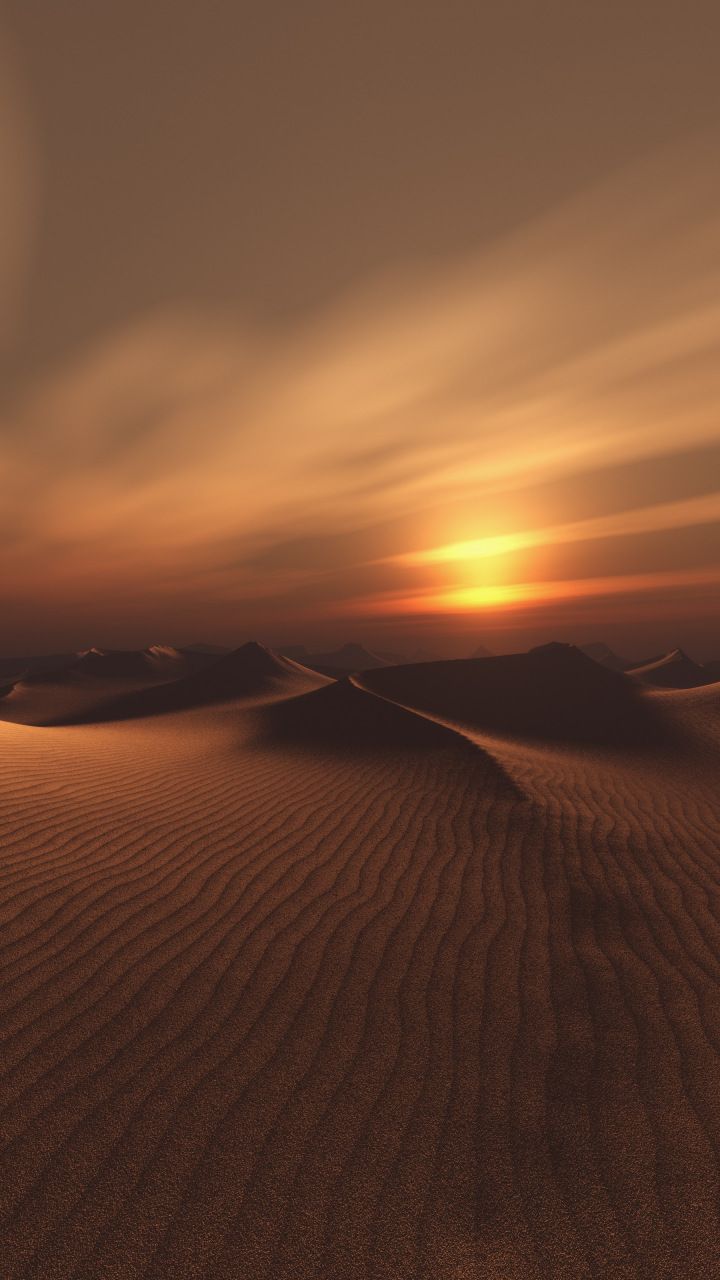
[344, 717]
[606, 656]
[22, 665]
[252, 672]
[674, 670]
[338, 662]
[296, 982]
[126, 662]
[78, 688]
[553, 692]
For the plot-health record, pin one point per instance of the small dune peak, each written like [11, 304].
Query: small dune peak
[253, 657]
[561, 656]
[604, 655]
[349, 658]
[256, 648]
[163, 652]
[353, 652]
[673, 670]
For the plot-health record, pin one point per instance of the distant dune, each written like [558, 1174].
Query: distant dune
[409, 975]
[131, 663]
[344, 661]
[606, 656]
[158, 662]
[82, 682]
[18, 667]
[249, 672]
[674, 670]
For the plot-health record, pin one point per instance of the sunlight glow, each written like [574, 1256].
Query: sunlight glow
[529, 594]
[476, 549]
[665, 515]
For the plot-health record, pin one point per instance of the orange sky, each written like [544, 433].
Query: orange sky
[319, 322]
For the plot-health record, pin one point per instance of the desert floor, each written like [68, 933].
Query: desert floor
[310, 984]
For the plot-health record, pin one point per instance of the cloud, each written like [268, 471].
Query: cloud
[175, 455]
[20, 167]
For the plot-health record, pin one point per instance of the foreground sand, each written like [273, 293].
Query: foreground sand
[370, 1000]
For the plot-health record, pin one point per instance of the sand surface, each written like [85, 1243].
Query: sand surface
[303, 983]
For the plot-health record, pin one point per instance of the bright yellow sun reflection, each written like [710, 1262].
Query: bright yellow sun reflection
[483, 597]
[476, 549]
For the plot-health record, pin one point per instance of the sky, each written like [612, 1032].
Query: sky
[376, 321]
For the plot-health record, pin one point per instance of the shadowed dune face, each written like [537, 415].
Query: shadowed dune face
[555, 692]
[346, 719]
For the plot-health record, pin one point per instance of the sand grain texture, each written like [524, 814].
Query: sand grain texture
[298, 983]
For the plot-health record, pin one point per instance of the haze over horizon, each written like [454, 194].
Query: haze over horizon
[319, 325]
